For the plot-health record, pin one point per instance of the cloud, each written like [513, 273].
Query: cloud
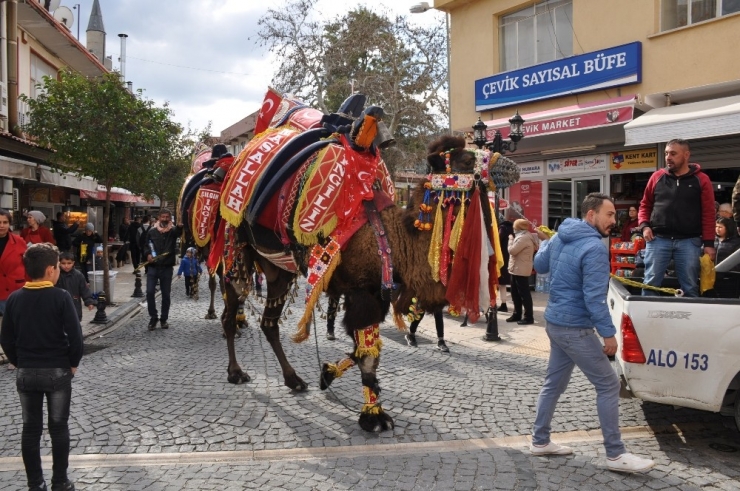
[201, 56]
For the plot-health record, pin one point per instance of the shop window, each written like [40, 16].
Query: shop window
[679, 13]
[537, 34]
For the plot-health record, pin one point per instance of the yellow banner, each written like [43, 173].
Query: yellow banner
[642, 158]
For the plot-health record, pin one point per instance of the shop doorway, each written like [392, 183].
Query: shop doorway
[564, 197]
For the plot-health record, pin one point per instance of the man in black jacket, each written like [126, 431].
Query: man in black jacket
[159, 251]
[62, 233]
[132, 237]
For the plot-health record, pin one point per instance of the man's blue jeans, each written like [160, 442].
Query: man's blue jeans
[685, 254]
[56, 384]
[571, 347]
[164, 275]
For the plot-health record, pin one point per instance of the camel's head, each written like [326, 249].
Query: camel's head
[452, 149]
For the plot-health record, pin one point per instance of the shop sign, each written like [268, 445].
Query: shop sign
[643, 158]
[525, 199]
[576, 165]
[620, 65]
[562, 124]
[532, 169]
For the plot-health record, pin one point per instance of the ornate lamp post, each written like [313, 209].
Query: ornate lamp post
[498, 144]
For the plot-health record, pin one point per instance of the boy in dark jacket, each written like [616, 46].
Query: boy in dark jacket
[191, 269]
[41, 335]
[74, 282]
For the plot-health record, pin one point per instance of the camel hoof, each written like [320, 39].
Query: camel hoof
[375, 423]
[295, 383]
[238, 378]
[211, 315]
[326, 377]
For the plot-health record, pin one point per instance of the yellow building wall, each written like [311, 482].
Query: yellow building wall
[27, 44]
[693, 56]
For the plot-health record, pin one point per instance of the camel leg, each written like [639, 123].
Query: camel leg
[279, 283]
[331, 316]
[212, 287]
[368, 345]
[194, 287]
[228, 321]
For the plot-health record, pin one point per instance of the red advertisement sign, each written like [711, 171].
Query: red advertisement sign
[573, 122]
[525, 198]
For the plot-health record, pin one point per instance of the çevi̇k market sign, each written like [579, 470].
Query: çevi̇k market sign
[611, 67]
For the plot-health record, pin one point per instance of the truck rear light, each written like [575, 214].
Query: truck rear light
[631, 347]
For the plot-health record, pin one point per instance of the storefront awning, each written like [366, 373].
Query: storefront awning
[696, 120]
[67, 180]
[116, 194]
[609, 112]
[10, 167]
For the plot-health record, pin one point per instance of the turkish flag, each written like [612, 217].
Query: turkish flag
[269, 108]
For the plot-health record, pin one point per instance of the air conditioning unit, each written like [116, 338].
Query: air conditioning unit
[3, 100]
[16, 199]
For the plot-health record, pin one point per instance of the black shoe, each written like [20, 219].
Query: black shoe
[525, 321]
[330, 336]
[164, 325]
[411, 340]
[63, 486]
[465, 321]
[441, 346]
[503, 308]
[152, 324]
[38, 487]
[514, 318]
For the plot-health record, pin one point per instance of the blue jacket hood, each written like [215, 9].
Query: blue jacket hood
[573, 229]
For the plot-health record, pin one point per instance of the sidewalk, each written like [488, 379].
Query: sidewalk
[123, 302]
[524, 340]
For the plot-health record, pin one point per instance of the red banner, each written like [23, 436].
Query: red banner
[571, 123]
[269, 108]
[204, 212]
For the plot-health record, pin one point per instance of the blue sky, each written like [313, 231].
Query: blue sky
[201, 55]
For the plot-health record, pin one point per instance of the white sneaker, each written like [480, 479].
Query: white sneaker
[550, 449]
[628, 462]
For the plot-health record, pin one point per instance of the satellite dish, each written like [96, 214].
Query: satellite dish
[65, 16]
[53, 5]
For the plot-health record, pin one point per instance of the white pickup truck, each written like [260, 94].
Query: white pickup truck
[680, 351]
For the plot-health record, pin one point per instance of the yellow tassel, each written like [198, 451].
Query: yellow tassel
[302, 331]
[435, 247]
[367, 133]
[374, 351]
[399, 321]
[374, 409]
[458, 226]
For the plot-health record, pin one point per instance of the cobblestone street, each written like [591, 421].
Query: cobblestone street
[153, 410]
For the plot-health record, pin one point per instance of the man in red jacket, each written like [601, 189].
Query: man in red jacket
[12, 272]
[677, 219]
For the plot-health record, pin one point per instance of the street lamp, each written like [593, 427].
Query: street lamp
[420, 8]
[79, 19]
[516, 133]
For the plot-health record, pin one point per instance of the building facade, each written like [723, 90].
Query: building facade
[602, 86]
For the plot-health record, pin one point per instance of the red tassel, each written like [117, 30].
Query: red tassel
[444, 266]
[217, 247]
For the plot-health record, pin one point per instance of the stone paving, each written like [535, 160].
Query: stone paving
[154, 393]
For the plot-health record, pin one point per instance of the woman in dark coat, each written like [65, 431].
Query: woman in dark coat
[727, 240]
[504, 231]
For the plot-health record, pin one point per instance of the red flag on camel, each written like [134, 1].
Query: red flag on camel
[269, 107]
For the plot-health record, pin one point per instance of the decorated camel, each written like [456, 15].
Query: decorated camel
[311, 195]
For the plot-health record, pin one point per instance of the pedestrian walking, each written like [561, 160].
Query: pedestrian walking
[161, 241]
[440, 326]
[504, 231]
[36, 233]
[85, 246]
[578, 263]
[677, 220]
[63, 233]
[190, 268]
[522, 246]
[73, 281]
[41, 335]
[132, 237]
[122, 253]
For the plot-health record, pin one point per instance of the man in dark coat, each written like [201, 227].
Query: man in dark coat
[159, 251]
[63, 233]
[132, 237]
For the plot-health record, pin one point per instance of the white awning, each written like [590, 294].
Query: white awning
[21, 169]
[705, 119]
[66, 179]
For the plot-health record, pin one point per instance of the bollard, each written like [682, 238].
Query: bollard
[491, 326]
[137, 285]
[100, 317]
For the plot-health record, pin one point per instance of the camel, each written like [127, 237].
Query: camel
[364, 275]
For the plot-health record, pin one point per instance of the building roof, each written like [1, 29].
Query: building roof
[96, 19]
[240, 129]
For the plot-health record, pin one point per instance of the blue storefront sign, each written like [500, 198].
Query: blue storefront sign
[620, 65]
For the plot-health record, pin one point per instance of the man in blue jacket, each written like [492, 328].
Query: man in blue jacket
[578, 262]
